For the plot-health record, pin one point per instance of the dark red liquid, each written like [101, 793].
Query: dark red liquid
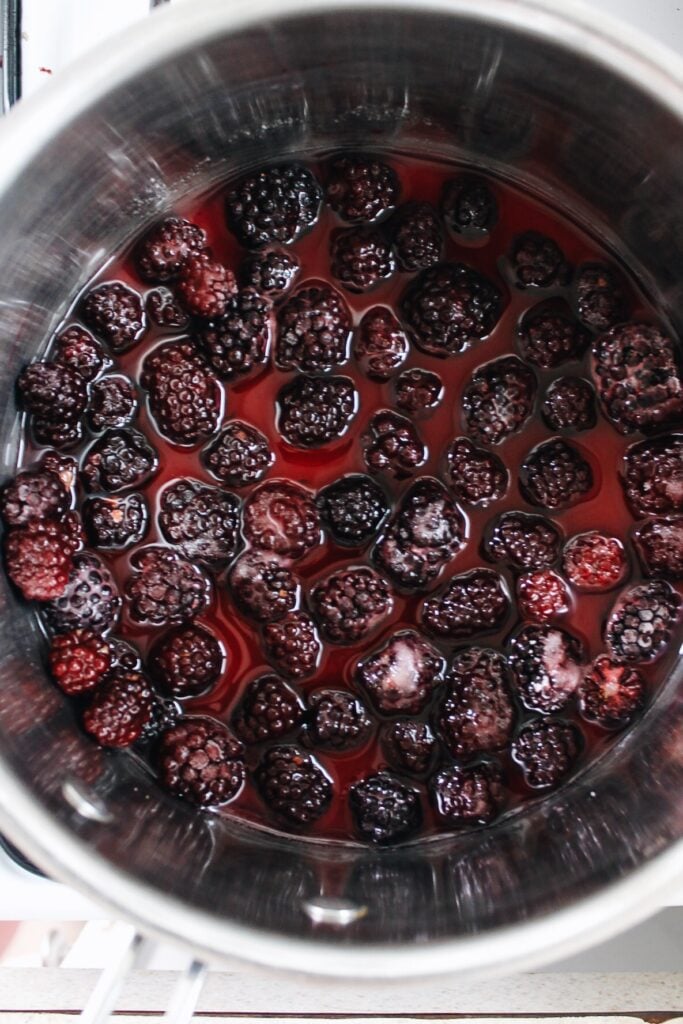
[254, 401]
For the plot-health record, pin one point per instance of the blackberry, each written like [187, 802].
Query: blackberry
[401, 676]
[200, 761]
[380, 345]
[205, 287]
[424, 533]
[409, 746]
[600, 301]
[472, 602]
[292, 785]
[352, 508]
[124, 655]
[115, 523]
[469, 206]
[498, 400]
[263, 587]
[546, 664]
[542, 595]
[56, 397]
[79, 661]
[546, 751]
[337, 720]
[163, 251]
[116, 314]
[38, 559]
[63, 466]
[238, 342]
[475, 476]
[113, 402]
[653, 476]
[33, 495]
[361, 188]
[660, 547]
[524, 541]
[549, 337]
[239, 456]
[165, 714]
[165, 311]
[640, 625]
[271, 272]
[165, 588]
[119, 710]
[313, 328]
[638, 380]
[90, 600]
[76, 348]
[269, 709]
[64, 434]
[360, 258]
[313, 411]
[538, 262]
[292, 644]
[593, 562]
[450, 306]
[468, 796]
[417, 236]
[184, 396]
[419, 392]
[281, 516]
[273, 205]
[477, 714]
[610, 694]
[186, 661]
[555, 475]
[350, 603]
[569, 404]
[202, 522]
[384, 810]
[119, 460]
[393, 445]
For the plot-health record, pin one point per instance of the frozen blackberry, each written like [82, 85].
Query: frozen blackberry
[401, 676]
[542, 595]
[653, 476]
[292, 785]
[293, 645]
[75, 347]
[498, 400]
[164, 588]
[610, 693]
[119, 710]
[163, 251]
[56, 397]
[313, 411]
[313, 329]
[393, 445]
[276, 204]
[202, 522]
[555, 475]
[469, 206]
[200, 761]
[475, 476]
[63, 466]
[79, 661]
[549, 337]
[115, 523]
[38, 559]
[269, 709]
[569, 404]
[424, 533]
[34, 495]
[113, 402]
[352, 508]
[450, 306]
[350, 603]
[640, 625]
[360, 258]
[538, 262]
[90, 600]
[546, 664]
[600, 301]
[281, 516]
[165, 714]
[115, 313]
[594, 562]
[472, 602]
[337, 720]
[524, 541]
[184, 396]
[409, 746]
[237, 342]
[264, 588]
[638, 380]
[380, 345]
[120, 459]
[477, 714]
[417, 236]
[239, 456]
[165, 311]
[546, 751]
[660, 547]
[271, 272]
[418, 392]
[361, 188]
[186, 661]
[384, 810]
[205, 287]
[468, 796]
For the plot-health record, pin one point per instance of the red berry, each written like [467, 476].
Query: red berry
[546, 751]
[468, 796]
[313, 411]
[271, 272]
[380, 345]
[115, 523]
[470, 603]
[205, 287]
[32, 496]
[165, 588]
[119, 710]
[384, 810]
[361, 188]
[417, 236]
[469, 206]
[611, 693]
[660, 547]
[165, 311]
[600, 301]
[477, 714]
[263, 587]
[184, 395]
[350, 603]
[56, 397]
[113, 402]
[202, 522]
[166, 247]
[401, 676]
[555, 475]
[419, 392]
[475, 475]
[39, 558]
[337, 720]
[292, 785]
[546, 664]
[237, 342]
[548, 336]
[569, 404]
[353, 508]
[542, 595]
[538, 262]
[187, 661]
[449, 307]
[393, 445]
[524, 541]
[273, 205]
[75, 347]
[498, 400]
[201, 761]
[269, 709]
[313, 330]
[640, 625]
[280, 516]
[653, 476]
[90, 600]
[292, 644]
[409, 746]
[593, 561]
[239, 456]
[361, 258]
[120, 459]
[115, 313]
[79, 660]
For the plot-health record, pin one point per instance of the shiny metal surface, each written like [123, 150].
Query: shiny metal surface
[570, 103]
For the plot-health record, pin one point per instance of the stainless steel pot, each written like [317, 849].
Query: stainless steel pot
[566, 100]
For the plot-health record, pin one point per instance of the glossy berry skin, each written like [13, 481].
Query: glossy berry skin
[269, 709]
[165, 311]
[56, 397]
[393, 445]
[38, 559]
[555, 475]
[274, 205]
[281, 516]
[449, 307]
[361, 258]
[263, 587]
[659, 543]
[350, 603]
[186, 661]
[542, 595]
[469, 206]
[401, 676]
[498, 400]
[472, 602]
[550, 336]
[337, 720]
[594, 562]
[79, 661]
[546, 664]
[119, 710]
[165, 588]
[569, 404]
[91, 599]
[271, 272]
[75, 347]
[293, 645]
[538, 262]
[464, 797]
[313, 329]
[314, 411]
[524, 541]
[163, 251]
[384, 810]
[119, 460]
[640, 625]
[114, 312]
[475, 476]
[419, 392]
[205, 287]
[33, 495]
[611, 693]
[417, 236]
[600, 300]
[361, 188]
[183, 394]
[380, 345]
[113, 402]
[200, 521]
[477, 713]
[239, 456]
[115, 523]
[199, 760]
[653, 476]
[293, 786]
[547, 751]
[352, 508]
[236, 343]
[409, 746]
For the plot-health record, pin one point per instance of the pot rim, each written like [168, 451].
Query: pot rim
[647, 65]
